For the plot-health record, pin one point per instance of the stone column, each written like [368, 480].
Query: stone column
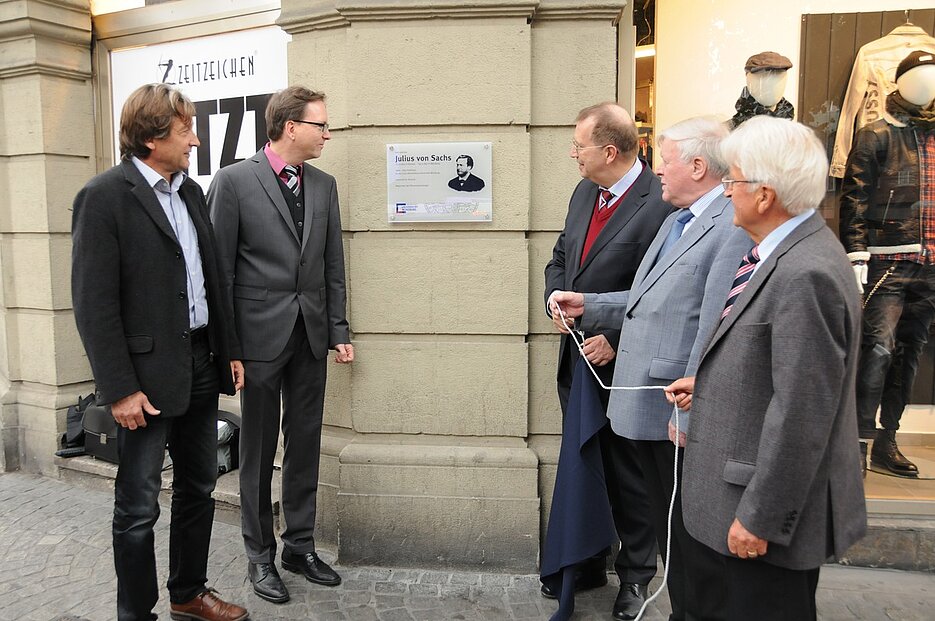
[46, 155]
[431, 451]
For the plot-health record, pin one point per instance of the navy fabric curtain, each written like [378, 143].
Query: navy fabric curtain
[580, 522]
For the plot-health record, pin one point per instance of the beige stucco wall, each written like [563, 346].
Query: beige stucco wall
[448, 419]
[46, 155]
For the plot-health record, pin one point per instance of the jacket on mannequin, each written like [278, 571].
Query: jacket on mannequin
[747, 107]
[872, 77]
[880, 201]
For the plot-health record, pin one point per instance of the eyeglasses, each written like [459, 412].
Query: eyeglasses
[575, 147]
[322, 126]
[729, 183]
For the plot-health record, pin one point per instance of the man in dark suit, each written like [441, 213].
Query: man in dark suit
[613, 216]
[665, 324]
[772, 471]
[279, 241]
[158, 334]
[465, 181]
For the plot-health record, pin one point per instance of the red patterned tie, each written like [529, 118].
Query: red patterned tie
[606, 195]
[740, 280]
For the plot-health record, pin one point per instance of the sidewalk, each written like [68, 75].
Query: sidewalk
[57, 566]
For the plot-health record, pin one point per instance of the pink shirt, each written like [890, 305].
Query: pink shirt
[277, 163]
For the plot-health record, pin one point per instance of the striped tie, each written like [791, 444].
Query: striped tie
[606, 195]
[740, 280]
[292, 177]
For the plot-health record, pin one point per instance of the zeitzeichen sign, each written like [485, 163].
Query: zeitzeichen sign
[439, 182]
[229, 78]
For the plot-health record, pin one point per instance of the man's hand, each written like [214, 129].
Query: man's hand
[128, 412]
[344, 353]
[570, 302]
[743, 543]
[682, 437]
[560, 325]
[680, 392]
[237, 374]
[598, 350]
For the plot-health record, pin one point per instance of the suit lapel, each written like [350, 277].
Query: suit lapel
[695, 233]
[308, 198]
[147, 197]
[809, 227]
[578, 233]
[628, 207]
[192, 202]
[266, 176]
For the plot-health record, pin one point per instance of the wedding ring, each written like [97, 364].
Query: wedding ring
[751, 554]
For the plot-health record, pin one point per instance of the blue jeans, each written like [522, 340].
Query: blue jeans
[892, 287]
[191, 437]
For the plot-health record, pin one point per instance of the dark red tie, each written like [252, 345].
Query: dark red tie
[744, 272]
[606, 195]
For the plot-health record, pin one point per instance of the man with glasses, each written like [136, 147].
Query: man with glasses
[613, 215]
[278, 228]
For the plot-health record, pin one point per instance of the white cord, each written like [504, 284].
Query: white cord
[575, 335]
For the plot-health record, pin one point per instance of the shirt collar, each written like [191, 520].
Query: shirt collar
[153, 178]
[775, 237]
[706, 199]
[276, 162]
[620, 188]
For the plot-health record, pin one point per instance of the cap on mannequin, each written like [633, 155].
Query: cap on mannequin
[767, 87]
[915, 78]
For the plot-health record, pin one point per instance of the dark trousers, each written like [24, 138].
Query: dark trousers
[298, 378]
[892, 285]
[626, 490]
[697, 590]
[758, 590]
[192, 441]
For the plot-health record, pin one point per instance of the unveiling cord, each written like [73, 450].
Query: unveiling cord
[578, 338]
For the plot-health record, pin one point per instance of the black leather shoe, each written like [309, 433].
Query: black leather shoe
[313, 568]
[886, 454]
[629, 600]
[267, 583]
[584, 581]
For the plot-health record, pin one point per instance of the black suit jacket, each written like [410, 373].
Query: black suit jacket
[129, 290]
[470, 184]
[614, 256]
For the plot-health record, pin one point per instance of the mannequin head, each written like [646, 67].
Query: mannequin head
[767, 86]
[917, 86]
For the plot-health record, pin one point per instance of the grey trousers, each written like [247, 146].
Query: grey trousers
[299, 379]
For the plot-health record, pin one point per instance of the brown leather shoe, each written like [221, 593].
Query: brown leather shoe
[207, 607]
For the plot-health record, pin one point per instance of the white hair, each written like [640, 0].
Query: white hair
[699, 136]
[782, 154]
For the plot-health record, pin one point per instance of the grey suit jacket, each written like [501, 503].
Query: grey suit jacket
[268, 272]
[774, 430]
[665, 325]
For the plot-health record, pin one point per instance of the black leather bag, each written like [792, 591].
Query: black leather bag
[100, 433]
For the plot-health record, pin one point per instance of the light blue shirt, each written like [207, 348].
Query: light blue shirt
[184, 229]
[775, 237]
[697, 208]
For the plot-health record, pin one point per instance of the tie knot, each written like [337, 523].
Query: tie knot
[290, 171]
[685, 216]
[606, 196]
[753, 256]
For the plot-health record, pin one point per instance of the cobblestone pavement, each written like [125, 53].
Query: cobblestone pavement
[57, 566]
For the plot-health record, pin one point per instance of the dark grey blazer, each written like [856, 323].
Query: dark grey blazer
[129, 290]
[663, 327]
[269, 273]
[773, 440]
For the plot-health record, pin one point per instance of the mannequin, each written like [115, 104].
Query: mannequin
[886, 213]
[766, 83]
[767, 87]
